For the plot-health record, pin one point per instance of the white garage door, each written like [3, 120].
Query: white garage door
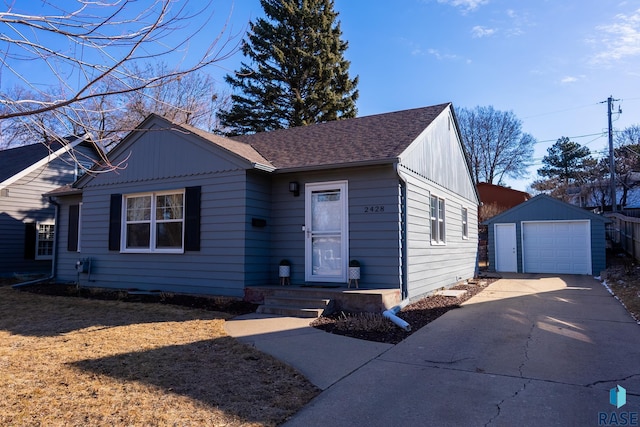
[557, 247]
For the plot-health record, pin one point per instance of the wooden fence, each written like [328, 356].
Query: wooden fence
[624, 233]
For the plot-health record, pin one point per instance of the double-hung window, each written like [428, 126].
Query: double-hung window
[153, 222]
[44, 240]
[437, 220]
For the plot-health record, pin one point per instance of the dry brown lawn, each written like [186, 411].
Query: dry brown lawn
[624, 282]
[78, 362]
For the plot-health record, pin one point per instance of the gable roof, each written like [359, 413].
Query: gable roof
[372, 139]
[238, 148]
[543, 198]
[20, 161]
[377, 138]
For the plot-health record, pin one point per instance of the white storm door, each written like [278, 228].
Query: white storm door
[506, 253]
[326, 232]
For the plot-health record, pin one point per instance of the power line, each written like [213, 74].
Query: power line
[574, 137]
[560, 111]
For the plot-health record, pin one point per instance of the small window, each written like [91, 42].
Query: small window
[44, 240]
[437, 220]
[153, 222]
[82, 166]
[465, 224]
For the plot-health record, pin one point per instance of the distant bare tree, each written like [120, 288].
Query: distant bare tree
[627, 160]
[74, 65]
[191, 99]
[496, 147]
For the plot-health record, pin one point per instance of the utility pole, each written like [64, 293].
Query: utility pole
[612, 164]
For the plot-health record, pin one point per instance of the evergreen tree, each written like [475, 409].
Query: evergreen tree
[297, 75]
[567, 164]
[566, 161]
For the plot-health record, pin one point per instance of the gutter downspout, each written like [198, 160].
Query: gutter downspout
[403, 232]
[391, 313]
[54, 258]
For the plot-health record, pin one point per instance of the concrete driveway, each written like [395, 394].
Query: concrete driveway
[529, 350]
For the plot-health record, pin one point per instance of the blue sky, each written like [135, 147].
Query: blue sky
[550, 62]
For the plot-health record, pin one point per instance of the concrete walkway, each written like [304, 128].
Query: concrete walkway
[528, 350]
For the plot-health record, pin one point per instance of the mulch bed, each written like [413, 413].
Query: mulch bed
[228, 305]
[373, 327]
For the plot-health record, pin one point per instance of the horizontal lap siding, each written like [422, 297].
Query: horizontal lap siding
[374, 234]
[218, 268]
[374, 237]
[257, 261]
[287, 219]
[431, 267]
[66, 260]
[24, 204]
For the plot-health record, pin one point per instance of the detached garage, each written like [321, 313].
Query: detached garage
[545, 235]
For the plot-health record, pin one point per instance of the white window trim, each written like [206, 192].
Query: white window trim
[152, 221]
[82, 166]
[441, 240]
[343, 186]
[465, 223]
[53, 240]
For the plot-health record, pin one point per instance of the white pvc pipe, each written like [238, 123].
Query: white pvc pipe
[395, 319]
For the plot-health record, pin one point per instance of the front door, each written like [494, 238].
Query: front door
[326, 232]
[506, 253]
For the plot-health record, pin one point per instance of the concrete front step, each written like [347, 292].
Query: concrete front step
[284, 310]
[295, 306]
[342, 298]
[296, 301]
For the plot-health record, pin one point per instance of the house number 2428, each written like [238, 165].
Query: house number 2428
[373, 209]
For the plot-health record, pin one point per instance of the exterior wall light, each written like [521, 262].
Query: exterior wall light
[294, 188]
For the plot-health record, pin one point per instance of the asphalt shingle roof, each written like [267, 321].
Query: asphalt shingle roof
[14, 160]
[370, 138]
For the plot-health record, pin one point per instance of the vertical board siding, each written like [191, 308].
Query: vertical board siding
[438, 156]
[160, 153]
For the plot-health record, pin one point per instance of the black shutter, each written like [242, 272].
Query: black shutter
[72, 235]
[192, 219]
[30, 235]
[115, 220]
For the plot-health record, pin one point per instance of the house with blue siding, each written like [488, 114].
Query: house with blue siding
[28, 219]
[546, 235]
[197, 213]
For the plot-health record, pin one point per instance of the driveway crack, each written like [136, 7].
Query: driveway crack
[499, 404]
[527, 345]
[616, 380]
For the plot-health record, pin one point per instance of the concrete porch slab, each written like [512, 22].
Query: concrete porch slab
[451, 293]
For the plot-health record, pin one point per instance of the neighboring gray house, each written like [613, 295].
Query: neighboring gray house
[197, 213]
[546, 235]
[27, 221]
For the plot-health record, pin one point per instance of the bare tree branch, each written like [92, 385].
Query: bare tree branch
[67, 69]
